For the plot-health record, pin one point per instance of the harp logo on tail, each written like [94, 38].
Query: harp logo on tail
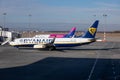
[92, 30]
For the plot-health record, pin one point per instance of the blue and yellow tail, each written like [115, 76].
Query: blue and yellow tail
[91, 31]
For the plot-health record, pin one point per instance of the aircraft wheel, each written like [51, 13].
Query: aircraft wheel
[52, 48]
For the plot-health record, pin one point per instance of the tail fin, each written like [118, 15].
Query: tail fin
[71, 33]
[92, 30]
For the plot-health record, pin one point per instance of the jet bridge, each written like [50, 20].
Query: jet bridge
[6, 36]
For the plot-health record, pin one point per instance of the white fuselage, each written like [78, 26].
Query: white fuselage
[59, 42]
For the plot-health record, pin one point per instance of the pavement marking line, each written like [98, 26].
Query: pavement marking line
[113, 45]
[114, 72]
[91, 72]
[112, 64]
[113, 69]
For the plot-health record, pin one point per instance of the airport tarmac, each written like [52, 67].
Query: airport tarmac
[96, 61]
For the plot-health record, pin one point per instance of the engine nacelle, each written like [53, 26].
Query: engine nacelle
[39, 46]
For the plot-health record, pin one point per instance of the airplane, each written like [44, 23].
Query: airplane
[37, 43]
[70, 34]
[41, 43]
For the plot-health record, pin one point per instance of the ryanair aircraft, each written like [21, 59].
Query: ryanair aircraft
[52, 43]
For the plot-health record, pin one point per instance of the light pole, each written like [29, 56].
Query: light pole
[4, 19]
[94, 17]
[4, 24]
[105, 24]
[29, 23]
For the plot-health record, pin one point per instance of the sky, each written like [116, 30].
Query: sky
[60, 11]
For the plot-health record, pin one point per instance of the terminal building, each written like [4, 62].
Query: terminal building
[6, 35]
